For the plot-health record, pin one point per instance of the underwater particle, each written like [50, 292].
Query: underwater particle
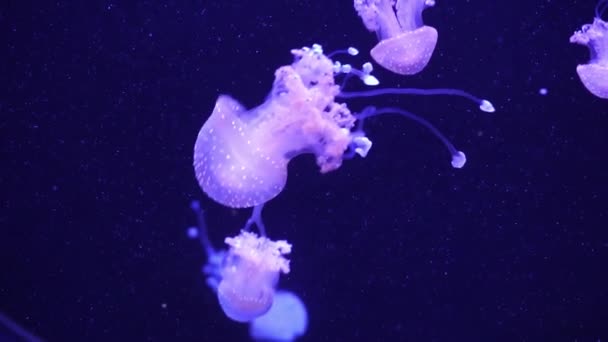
[543, 91]
[594, 74]
[286, 320]
[405, 44]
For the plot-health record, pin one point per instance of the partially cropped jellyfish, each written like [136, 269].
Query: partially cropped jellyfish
[272, 315]
[405, 44]
[250, 273]
[286, 320]
[11, 331]
[594, 74]
[241, 156]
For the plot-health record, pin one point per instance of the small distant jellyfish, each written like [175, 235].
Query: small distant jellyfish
[250, 274]
[241, 156]
[287, 317]
[594, 74]
[285, 321]
[405, 44]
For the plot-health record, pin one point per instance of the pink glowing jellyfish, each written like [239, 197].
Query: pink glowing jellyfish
[250, 273]
[594, 74]
[241, 156]
[244, 279]
[405, 44]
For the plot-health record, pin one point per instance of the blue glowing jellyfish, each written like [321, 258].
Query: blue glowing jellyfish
[286, 320]
[241, 156]
[405, 44]
[244, 279]
[11, 331]
[594, 74]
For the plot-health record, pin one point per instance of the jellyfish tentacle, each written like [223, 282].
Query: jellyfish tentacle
[409, 13]
[202, 232]
[601, 8]
[458, 157]
[352, 51]
[213, 266]
[483, 104]
[364, 74]
[256, 218]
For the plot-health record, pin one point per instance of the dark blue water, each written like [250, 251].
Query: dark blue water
[100, 106]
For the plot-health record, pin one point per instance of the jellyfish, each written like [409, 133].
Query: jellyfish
[594, 74]
[287, 317]
[250, 273]
[405, 44]
[11, 331]
[241, 156]
[285, 321]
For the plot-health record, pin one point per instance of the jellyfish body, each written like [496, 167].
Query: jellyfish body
[594, 74]
[286, 320]
[405, 44]
[241, 156]
[287, 317]
[249, 275]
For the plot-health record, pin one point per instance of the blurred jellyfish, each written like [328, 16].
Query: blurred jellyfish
[241, 156]
[285, 319]
[250, 273]
[405, 44]
[594, 74]
[11, 331]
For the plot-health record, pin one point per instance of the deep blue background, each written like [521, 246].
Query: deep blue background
[100, 106]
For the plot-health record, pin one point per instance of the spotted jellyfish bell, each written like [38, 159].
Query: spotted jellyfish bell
[405, 44]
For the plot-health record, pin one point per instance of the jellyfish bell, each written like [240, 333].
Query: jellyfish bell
[405, 44]
[594, 74]
[233, 164]
[249, 275]
[286, 320]
[407, 53]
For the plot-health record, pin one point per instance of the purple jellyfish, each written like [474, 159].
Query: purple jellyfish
[405, 44]
[241, 156]
[250, 274]
[286, 320]
[244, 282]
[594, 74]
